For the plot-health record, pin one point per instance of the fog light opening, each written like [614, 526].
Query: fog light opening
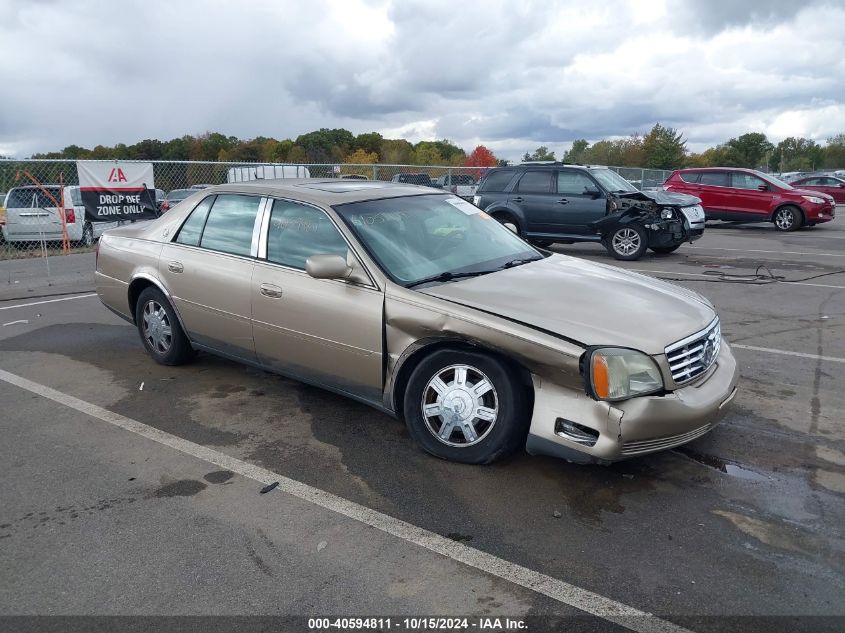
[575, 432]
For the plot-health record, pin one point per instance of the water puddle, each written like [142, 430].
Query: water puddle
[716, 463]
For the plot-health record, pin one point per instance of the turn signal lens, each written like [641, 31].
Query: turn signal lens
[601, 380]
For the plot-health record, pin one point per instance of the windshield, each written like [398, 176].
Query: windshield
[416, 237]
[775, 181]
[612, 181]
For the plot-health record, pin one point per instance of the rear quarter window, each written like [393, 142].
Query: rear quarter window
[691, 177]
[496, 181]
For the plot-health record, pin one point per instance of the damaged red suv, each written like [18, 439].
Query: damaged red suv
[746, 195]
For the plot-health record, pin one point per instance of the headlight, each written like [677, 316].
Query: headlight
[666, 214]
[814, 199]
[618, 374]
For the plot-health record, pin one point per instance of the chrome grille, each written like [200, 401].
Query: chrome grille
[692, 356]
[661, 443]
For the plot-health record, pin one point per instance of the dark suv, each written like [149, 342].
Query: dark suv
[548, 203]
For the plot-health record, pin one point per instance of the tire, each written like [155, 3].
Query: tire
[626, 242]
[87, 235]
[788, 219]
[462, 436]
[508, 221]
[665, 250]
[160, 331]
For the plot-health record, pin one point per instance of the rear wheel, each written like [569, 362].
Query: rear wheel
[161, 334]
[466, 407]
[87, 235]
[788, 219]
[665, 250]
[626, 242]
[508, 221]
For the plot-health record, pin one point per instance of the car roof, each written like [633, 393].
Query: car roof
[324, 191]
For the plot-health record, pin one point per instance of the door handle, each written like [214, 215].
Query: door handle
[518, 199]
[269, 290]
[563, 201]
[175, 267]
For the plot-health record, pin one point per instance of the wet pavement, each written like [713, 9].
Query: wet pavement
[748, 520]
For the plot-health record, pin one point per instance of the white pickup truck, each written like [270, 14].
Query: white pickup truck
[462, 185]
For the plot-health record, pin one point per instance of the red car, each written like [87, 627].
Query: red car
[746, 195]
[831, 185]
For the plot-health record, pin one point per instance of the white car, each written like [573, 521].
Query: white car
[32, 215]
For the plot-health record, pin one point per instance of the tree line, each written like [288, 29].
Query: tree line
[661, 148]
[320, 146]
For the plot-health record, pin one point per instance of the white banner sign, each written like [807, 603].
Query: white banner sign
[113, 190]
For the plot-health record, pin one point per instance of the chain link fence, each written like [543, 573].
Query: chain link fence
[41, 212]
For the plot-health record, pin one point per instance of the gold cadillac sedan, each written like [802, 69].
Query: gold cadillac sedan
[418, 303]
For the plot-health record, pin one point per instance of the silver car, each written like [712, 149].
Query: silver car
[418, 303]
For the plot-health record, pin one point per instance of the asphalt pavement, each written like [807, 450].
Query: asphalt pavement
[105, 516]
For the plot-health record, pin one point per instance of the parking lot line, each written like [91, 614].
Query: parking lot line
[832, 359]
[38, 303]
[563, 592]
[751, 250]
[715, 280]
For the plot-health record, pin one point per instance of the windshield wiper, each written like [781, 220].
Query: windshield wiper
[447, 276]
[519, 262]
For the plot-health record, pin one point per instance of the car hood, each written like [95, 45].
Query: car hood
[665, 198]
[811, 192]
[586, 302]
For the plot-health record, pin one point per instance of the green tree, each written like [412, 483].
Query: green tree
[370, 142]
[541, 153]
[395, 151]
[834, 152]
[578, 152]
[426, 154]
[749, 150]
[797, 154]
[664, 148]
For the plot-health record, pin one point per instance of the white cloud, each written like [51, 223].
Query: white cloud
[509, 75]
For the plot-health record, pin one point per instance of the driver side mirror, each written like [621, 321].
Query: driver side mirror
[592, 192]
[335, 267]
[842, 185]
[762, 187]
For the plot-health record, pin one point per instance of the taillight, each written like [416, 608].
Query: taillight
[165, 206]
[70, 216]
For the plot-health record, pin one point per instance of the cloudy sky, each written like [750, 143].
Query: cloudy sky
[510, 75]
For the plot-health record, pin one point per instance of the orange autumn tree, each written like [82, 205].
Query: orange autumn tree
[481, 157]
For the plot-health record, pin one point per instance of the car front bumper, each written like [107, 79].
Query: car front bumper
[818, 213]
[634, 427]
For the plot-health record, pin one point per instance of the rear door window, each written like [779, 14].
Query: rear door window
[535, 182]
[714, 178]
[691, 177]
[230, 224]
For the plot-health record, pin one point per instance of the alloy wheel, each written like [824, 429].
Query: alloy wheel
[784, 219]
[626, 241]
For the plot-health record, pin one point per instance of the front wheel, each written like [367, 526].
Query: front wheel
[161, 333]
[626, 242]
[788, 219]
[665, 250]
[466, 407]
